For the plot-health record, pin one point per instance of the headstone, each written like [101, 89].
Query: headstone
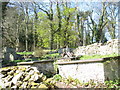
[10, 54]
[11, 57]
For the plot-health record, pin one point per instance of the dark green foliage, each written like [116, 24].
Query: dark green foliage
[113, 84]
[57, 77]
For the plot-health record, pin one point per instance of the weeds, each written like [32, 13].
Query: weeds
[91, 84]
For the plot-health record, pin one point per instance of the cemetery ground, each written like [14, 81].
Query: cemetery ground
[86, 35]
[40, 80]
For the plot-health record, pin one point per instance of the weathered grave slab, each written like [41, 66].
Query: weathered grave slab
[45, 66]
[98, 70]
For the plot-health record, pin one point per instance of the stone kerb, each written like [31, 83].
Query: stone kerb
[45, 66]
[98, 70]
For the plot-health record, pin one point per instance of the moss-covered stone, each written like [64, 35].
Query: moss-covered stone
[42, 86]
[27, 78]
[24, 77]
[48, 80]
[34, 84]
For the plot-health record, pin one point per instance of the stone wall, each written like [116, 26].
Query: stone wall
[98, 70]
[109, 47]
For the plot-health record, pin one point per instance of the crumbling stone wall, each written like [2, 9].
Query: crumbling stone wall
[23, 77]
[109, 47]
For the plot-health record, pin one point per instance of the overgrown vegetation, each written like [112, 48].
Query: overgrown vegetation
[38, 52]
[71, 82]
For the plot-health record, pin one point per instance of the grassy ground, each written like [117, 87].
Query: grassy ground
[97, 56]
[17, 61]
[24, 53]
[45, 57]
[55, 55]
[27, 53]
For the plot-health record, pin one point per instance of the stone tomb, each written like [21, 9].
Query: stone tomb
[98, 70]
[44, 66]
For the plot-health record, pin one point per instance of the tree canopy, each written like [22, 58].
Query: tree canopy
[57, 24]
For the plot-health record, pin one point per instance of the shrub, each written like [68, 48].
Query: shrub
[38, 52]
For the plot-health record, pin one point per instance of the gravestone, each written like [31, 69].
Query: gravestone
[10, 54]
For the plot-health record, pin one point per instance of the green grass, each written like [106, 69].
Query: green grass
[97, 56]
[42, 58]
[27, 53]
[24, 53]
[51, 55]
[17, 61]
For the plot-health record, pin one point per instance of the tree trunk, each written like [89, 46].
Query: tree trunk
[26, 33]
[17, 41]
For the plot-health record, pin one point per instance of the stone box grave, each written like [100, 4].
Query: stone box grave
[98, 70]
[44, 66]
